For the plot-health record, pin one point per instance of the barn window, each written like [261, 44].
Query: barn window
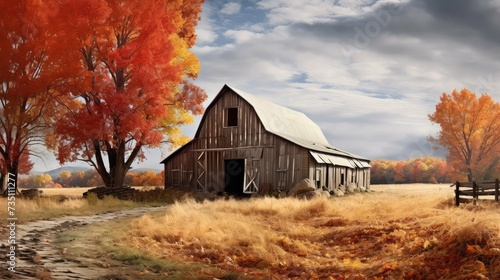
[232, 117]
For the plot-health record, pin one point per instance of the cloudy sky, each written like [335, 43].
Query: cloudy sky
[367, 72]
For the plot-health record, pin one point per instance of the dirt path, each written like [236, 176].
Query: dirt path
[40, 258]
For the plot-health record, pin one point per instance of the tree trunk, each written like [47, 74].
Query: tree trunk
[9, 180]
[4, 181]
[467, 164]
[118, 166]
[119, 176]
[469, 174]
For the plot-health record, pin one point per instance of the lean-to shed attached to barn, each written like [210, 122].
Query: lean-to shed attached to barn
[246, 144]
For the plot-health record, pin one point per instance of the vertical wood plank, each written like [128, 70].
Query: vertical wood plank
[497, 191]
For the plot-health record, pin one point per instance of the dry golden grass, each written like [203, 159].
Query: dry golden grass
[56, 206]
[78, 192]
[70, 192]
[57, 202]
[412, 233]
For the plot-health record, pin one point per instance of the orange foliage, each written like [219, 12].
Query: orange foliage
[88, 178]
[416, 170]
[133, 88]
[147, 178]
[28, 83]
[470, 131]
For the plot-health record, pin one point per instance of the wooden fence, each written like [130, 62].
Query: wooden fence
[475, 190]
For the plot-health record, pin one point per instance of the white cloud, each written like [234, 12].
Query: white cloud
[205, 35]
[206, 30]
[231, 8]
[371, 100]
[242, 36]
[287, 11]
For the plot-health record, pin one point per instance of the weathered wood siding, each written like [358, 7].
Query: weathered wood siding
[278, 161]
[179, 169]
[330, 176]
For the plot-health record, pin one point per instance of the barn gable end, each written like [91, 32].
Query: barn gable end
[246, 144]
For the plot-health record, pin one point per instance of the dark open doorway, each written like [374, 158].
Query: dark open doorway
[234, 176]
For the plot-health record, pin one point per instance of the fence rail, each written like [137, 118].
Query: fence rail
[475, 190]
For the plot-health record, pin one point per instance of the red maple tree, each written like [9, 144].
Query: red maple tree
[133, 90]
[30, 73]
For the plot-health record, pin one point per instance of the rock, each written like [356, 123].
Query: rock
[309, 195]
[338, 192]
[313, 194]
[342, 188]
[350, 188]
[304, 186]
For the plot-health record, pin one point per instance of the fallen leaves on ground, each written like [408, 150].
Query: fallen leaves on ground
[334, 242]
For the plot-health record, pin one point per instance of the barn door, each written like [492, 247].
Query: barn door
[283, 161]
[201, 177]
[234, 176]
[250, 184]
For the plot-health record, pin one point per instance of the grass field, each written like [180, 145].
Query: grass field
[75, 192]
[70, 192]
[394, 232]
[58, 202]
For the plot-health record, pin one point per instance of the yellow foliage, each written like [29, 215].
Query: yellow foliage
[477, 121]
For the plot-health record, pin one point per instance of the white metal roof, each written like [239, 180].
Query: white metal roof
[339, 161]
[291, 125]
[283, 121]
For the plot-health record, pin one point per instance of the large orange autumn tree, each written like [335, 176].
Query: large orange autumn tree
[30, 73]
[470, 131]
[134, 89]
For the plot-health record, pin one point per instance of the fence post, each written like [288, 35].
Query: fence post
[497, 191]
[474, 193]
[457, 195]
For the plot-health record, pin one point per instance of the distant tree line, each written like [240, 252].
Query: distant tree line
[417, 170]
[89, 178]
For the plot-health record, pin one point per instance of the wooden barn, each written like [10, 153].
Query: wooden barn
[246, 144]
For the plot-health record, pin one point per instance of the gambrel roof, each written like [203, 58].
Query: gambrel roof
[295, 127]
[284, 122]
